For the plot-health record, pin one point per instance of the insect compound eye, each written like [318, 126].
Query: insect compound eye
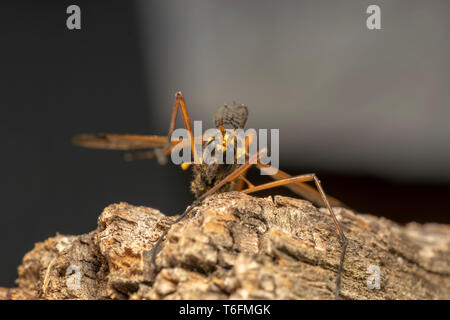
[234, 116]
[218, 119]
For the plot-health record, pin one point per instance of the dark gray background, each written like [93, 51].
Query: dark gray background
[373, 101]
[366, 110]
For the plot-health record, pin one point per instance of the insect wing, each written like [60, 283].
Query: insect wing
[119, 141]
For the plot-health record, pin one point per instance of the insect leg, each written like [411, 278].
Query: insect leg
[306, 178]
[180, 103]
[242, 181]
[303, 190]
[163, 152]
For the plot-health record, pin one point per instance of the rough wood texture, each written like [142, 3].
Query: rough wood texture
[239, 247]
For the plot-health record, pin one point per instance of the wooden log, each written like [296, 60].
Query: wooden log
[235, 246]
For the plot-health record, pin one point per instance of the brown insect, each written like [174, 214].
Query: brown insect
[211, 178]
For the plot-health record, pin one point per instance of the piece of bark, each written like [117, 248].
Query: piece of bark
[239, 247]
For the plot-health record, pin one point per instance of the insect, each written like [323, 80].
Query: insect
[215, 177]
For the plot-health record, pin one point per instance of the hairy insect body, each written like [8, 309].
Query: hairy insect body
[206, 176]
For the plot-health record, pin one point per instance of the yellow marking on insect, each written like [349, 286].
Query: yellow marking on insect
[185, 166]
[224, 148]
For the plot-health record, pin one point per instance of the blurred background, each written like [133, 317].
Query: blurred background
[368, 111]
